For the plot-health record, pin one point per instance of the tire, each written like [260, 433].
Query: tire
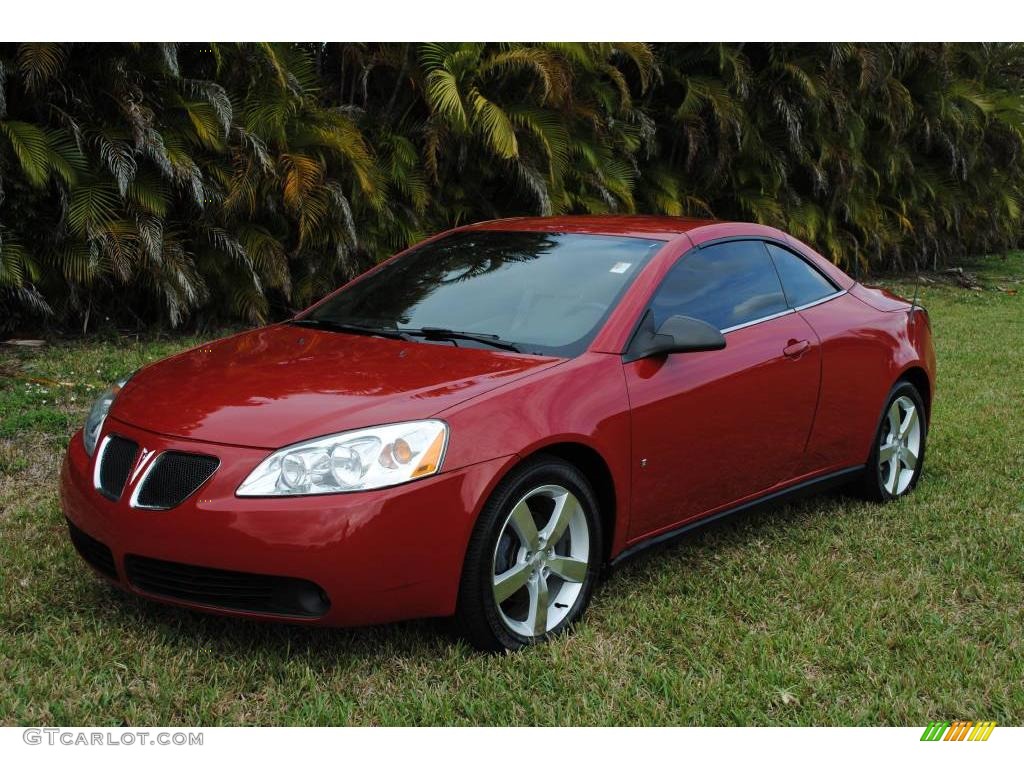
[547, 584]
[880, 481]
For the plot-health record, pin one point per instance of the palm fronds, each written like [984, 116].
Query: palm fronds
[163, 182]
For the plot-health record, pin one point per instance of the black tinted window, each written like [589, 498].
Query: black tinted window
[545, 292]
[726, 284]
[801, 282]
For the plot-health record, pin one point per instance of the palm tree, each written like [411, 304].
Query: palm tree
[162, 182]
[881, 154]
[159, 176]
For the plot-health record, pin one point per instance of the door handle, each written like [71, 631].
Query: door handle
[796, 348]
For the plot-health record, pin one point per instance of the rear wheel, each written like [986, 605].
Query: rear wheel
[532, 559]
[897, 457]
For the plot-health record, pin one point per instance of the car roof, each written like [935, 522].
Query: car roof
[652, 227]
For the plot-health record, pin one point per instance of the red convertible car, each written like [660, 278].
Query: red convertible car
[476, 426]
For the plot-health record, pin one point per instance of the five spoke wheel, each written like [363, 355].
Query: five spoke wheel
[900, 446]
[541, 560]
[897, 455]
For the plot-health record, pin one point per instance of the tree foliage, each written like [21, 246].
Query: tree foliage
[164, 183]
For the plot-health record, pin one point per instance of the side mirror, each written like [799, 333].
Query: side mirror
[678, 333]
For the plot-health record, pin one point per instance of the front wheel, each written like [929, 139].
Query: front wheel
[533, 557]
[897, 456]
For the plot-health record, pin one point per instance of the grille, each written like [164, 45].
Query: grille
[115, 465]
[251, 592]
[174, 477]
[95, 553]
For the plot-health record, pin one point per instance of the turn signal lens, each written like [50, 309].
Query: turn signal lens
[431, 460]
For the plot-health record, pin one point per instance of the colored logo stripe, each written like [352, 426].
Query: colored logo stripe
[959, 730]
[982, 731]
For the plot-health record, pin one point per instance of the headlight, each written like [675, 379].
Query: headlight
[97, 414]
[352, 461]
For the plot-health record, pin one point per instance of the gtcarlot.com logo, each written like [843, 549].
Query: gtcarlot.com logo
[82, 737]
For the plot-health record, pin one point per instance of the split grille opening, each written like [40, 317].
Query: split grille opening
[116, 463]
[174, 477]
[234, 590]
[95, 553]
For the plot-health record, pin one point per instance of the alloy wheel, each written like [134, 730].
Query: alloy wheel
[541, 560]
[900, 447]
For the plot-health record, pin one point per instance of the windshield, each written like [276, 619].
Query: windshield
[536, 292]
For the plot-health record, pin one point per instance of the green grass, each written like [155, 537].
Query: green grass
[825, 611]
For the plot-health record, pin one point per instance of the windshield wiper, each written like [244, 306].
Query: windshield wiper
[406, 334]
[363, 330]
[447, 333]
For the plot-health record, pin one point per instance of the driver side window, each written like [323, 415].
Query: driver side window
[726, 285]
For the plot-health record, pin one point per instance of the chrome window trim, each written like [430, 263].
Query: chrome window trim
[759, 320]
[822, 300]
[790, 311]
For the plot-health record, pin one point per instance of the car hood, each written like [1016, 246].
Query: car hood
[282, 384]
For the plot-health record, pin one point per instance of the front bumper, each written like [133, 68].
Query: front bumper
[377, 556]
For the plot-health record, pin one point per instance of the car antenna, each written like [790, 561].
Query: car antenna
[917, 287]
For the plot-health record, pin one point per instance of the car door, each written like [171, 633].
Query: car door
[711, 429]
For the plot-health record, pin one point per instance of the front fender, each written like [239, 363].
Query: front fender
[581, 402]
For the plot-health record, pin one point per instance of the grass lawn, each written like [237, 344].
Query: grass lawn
[824, 611]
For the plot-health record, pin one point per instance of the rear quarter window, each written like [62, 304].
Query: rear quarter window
[802, 283]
